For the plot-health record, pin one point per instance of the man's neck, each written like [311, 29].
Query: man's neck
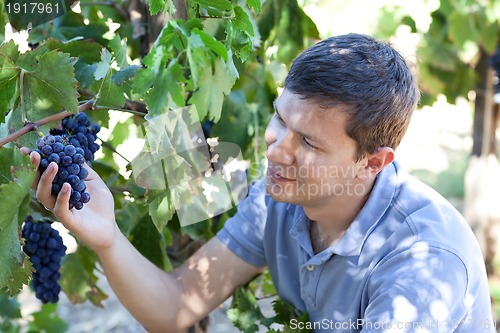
[331, 219]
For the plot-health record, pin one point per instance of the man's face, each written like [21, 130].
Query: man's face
[311, 158]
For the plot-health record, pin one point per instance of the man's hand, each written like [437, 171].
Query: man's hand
[95, 223]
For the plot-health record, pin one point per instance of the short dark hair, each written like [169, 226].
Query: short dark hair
[368, 76]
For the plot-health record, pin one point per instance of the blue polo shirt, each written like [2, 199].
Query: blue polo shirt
[408, 262]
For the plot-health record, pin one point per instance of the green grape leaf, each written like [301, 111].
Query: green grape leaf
[255, 5]
[219, 5]
[212, 87]
[84, 73]
[16, 269]
[245, 312]
[156, 6]
[437, 54]
[53, 80]
[242, 20]
[233, 125]
[20, 276]
[124, 74]
[461, 28]
[129, 215]
[119, 48]
[109, 94]
[47, 319]
[78, 280]
[86, 50]
[9, 307]
[199, 58]
[104, 65]
[146, 238]
[9, 77]
[167, 88]
[155, 61]
[489, 35]
[161, 208]
[3, 21]
[212, 43]
[17, 176]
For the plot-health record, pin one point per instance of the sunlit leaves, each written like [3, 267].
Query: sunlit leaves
[104, 65]
[213, 85]
[54, 80]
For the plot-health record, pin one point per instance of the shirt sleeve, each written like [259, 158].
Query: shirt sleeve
[244, 232]
[423, 289]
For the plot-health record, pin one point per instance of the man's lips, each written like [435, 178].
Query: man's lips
[276, 175]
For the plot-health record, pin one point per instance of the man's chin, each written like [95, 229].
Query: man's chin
[278, 193]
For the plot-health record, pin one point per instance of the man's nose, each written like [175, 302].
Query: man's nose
[280, 148]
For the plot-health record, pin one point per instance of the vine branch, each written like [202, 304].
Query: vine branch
[32, 126]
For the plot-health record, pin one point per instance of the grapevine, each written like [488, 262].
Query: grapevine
[45, 249]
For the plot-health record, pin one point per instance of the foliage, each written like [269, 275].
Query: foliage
[247, 315]
[450, 47]
[216, 59]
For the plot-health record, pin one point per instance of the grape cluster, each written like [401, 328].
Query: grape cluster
[70, 159]
[80, 133]
[45, 249]
[70, 147]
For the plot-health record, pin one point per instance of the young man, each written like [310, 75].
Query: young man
[347, 236]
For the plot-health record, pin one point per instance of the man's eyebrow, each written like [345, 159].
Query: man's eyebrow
[307, 136]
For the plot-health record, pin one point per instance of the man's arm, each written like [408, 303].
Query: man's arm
[161, 302]
[172, 302]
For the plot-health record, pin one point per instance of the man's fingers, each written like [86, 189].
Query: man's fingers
[25, 150]
[35, 159]
[44, 189]
[61, 205]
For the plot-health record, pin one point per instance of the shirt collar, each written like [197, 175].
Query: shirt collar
[351, 243]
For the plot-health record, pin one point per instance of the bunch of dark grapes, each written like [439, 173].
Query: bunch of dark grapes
[80, 133]
[45, 249]
[495, 64]
[70, 159]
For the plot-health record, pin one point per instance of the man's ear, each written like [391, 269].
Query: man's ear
[375, 162]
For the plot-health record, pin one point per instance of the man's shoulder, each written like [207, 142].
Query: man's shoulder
[413, 198]
[431, 218]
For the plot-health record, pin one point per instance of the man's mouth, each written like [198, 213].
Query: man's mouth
[276, 175]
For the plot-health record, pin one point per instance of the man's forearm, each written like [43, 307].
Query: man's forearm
[153, 296]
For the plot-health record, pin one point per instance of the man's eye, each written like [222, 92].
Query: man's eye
[309, 145]
[277, 116]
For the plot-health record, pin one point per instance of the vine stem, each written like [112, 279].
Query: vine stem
[32, 126]
[135, 112]
[110, 147]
